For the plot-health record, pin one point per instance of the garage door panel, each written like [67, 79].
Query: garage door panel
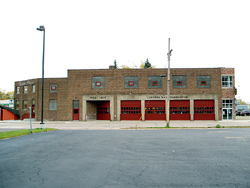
[180, 117]
[204, 110]
[130, 110]
[180, 110]
[204, 116]
[155, 117]
[103, 111]
[155, 110]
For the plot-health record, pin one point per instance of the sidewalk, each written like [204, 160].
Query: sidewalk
[116, 125]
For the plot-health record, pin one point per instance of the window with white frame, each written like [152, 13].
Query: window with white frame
[52, 104]
[25, 89]
[33, 88]
[227, 81]
[17, 90]
[227, 103]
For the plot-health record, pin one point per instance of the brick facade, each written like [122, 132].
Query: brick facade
[78, 86]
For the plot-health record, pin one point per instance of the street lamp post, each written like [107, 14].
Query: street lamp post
[42, 28]
[168, 89]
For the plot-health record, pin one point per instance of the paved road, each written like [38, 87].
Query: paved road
[127, 159]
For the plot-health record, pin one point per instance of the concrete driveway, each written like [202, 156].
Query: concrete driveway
[100, 125]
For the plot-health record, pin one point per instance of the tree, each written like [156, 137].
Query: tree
[125, 67]
[115, 64]
[143, 65]
[8, 95]
[147, 64]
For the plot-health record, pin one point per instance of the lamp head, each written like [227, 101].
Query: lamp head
[41, 28]
[170, 51]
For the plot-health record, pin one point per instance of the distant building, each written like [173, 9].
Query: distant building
[8, 103]
[130, 94]
[242, 107]
[7, 113]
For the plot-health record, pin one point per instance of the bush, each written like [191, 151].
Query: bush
[218, 126]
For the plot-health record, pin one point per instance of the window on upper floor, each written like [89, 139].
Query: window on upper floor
[53, 88]
[17, 90]
[33, 88]
[131, 82]
[98, 82]
[203, 82]
[154, 82]
[25, 89]
[179, 82]
[227, 81]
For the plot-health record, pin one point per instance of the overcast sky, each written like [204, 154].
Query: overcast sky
[91, 34]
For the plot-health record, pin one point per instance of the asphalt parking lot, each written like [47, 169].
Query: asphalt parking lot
[127, 158]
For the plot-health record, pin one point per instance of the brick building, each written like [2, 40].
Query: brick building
[130, 94]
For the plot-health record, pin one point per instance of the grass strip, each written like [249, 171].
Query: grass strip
[11, 134]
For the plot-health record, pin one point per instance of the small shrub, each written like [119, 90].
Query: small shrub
[218, 126]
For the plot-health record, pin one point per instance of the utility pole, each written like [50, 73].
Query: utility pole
[42, 28]
[168, 89]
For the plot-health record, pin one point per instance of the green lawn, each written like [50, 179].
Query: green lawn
[11, 134]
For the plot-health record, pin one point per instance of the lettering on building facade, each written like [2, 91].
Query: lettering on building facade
[171, 97]
[98, 97]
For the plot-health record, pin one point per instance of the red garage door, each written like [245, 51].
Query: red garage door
[130, 110]
[180, 110]
[155, 110]
[103, 110]
[204, 110]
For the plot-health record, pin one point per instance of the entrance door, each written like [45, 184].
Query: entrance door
[227, 109]
[76, 110]
[76, 114]
[227, 114]
[33, 109]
